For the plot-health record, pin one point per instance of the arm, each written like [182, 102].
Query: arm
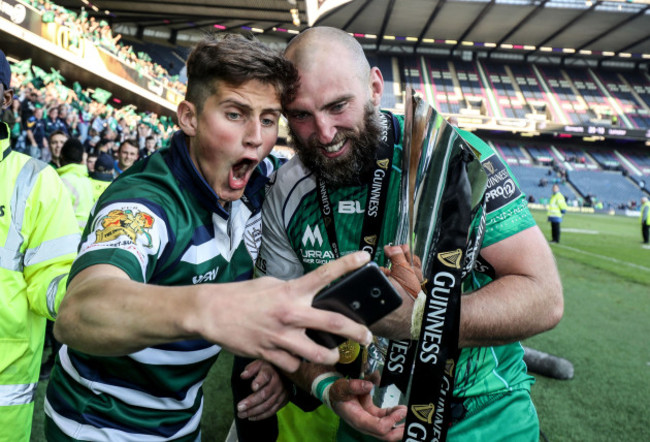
[525, 298]
[106, 313]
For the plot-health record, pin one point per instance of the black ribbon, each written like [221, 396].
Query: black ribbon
[436, 354]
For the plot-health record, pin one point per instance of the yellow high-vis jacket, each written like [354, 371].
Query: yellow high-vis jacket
[556, 207]
[645, 214]
[38, 242]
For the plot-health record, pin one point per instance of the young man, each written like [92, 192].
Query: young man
[556, 209]
[150, 146]
[338, 129]
[56, 141]
[127, 154]
[39, 238]
[161, 282]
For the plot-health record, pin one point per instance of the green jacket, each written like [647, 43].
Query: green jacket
[38, 242]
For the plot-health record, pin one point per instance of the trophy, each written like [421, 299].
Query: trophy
[442, 215]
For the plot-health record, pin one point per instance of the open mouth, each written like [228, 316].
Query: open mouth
[240, 173]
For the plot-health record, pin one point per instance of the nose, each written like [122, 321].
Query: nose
[325, 129]
[253, 135]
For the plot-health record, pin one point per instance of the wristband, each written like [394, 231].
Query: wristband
[320, 387]
[416, 316]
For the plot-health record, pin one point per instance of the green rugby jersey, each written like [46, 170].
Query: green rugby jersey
[161, 223]
[294, 241]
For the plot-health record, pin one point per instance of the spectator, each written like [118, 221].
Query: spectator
[56, 141]
[91, 159]
[74, 175]
[150, 146]
[36, 135]
[127, 154]
[53, 123]
[102, 175]
[39, 238]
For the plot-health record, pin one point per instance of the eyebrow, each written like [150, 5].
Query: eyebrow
[245, 106]
[331, 103]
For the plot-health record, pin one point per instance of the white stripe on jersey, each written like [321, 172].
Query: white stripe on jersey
[131, 397]
[228, 235]
[155, 356]
[80, 431]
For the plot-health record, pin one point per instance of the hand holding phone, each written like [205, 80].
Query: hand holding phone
[364, 295]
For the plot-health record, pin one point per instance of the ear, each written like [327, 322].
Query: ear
[376, 86]
[187, 118]
[7, 98]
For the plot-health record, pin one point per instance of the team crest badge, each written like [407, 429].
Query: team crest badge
[125, 222]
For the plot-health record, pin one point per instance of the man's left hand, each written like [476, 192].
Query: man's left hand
[351, 400]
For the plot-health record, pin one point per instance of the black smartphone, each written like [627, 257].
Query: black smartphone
[364, 295]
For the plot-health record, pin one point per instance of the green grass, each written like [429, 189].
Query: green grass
[605, 333]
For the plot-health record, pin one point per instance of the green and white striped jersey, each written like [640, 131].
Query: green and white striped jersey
[161, 223]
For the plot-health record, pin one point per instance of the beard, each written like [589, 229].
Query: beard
[351, 168]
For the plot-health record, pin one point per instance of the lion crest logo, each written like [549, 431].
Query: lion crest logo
[125, 222]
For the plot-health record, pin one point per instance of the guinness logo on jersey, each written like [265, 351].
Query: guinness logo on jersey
[489, 167]
[424, 412]
[501, 188]
[451, 259]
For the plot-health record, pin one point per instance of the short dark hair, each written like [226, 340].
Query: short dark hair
[235, 59]
[130, 141]
[72, 151]
[56, 132]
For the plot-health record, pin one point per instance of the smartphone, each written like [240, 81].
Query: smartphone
[364, 295]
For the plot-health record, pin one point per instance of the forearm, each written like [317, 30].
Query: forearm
[305, 375]
[509, 309]
[109, 316]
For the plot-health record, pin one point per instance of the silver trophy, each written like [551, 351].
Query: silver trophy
[429, 144]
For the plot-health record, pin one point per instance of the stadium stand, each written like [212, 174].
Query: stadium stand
[536, 181]
[611, 188]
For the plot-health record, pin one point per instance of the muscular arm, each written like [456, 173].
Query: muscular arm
[106, 313]
[525, 298]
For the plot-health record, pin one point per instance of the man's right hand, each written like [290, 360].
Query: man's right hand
[266, 318]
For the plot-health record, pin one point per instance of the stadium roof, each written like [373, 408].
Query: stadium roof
[613, 29]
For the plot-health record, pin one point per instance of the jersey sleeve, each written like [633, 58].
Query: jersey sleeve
[506, 208]
[130, 235]
[276, 258]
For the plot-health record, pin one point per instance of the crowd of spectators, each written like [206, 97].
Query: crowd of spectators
[101, 34]
[44, 108]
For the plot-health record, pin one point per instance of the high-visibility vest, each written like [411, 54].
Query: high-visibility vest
[76, 180]
[645, 213]
[38, 241]
[98, 187]
[556, 206]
